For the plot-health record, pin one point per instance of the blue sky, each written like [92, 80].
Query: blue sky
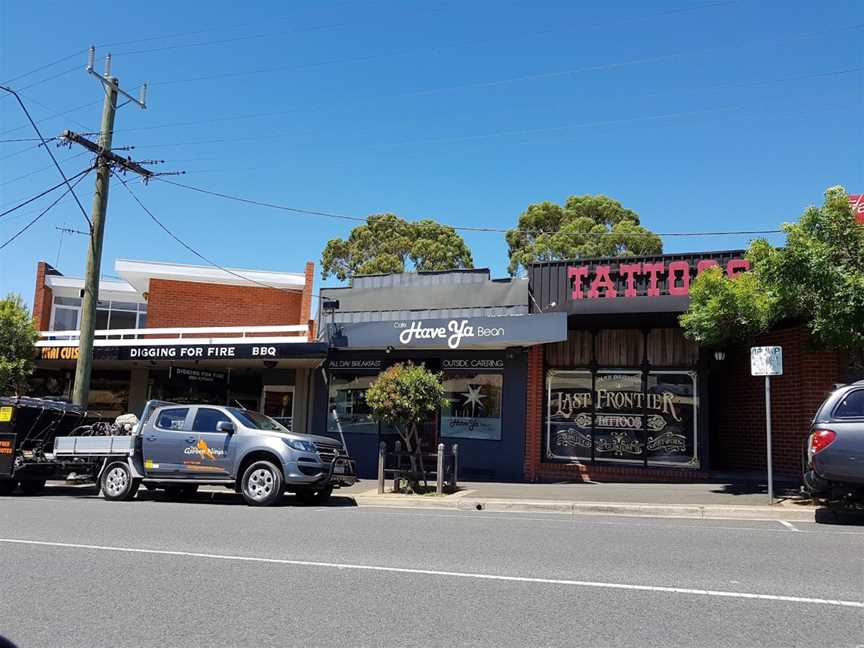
[699, 115]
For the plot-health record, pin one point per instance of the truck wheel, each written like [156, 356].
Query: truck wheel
[117, 482]
[32, 486]
[7, 486]
[262, 484]
[320, 496]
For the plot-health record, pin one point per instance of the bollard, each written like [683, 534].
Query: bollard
[381, 448]
[439, 472]
[454, 476]
[398, 448]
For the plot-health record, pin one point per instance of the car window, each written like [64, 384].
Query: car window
[206, 419]
[851, 406]
[172, 419]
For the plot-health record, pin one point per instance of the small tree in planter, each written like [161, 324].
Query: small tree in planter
[403, 396]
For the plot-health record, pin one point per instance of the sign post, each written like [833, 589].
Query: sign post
[767, 361]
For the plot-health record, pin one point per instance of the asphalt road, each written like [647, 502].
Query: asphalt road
[79, 571]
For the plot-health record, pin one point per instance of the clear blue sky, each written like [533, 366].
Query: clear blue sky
[697, 114]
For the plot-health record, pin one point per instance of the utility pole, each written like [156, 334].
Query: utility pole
[105, 159]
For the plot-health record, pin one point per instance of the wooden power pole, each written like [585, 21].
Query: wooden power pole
[105, 161]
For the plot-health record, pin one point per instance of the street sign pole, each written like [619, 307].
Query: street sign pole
[768, 438]
[767, 361]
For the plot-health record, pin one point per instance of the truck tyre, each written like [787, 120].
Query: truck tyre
[181, 492]
[310, 496]
[117, 482]
[32, 486]
[262, 484]
[7, 486]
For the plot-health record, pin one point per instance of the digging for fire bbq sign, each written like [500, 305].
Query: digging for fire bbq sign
[626, 423]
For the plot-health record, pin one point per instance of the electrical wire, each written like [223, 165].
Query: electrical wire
[70, 189]
[312, 212]
[53, 159]
[45, 67]
[39, 195]
[45, 168]
[52, 115]
[186, 245]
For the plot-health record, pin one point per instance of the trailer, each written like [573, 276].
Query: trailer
[28, 430]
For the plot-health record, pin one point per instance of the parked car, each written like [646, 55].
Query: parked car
[834, 454]
[181, 447]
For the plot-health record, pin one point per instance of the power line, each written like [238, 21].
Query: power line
[70, 189]
[52, 115]
[39, 195]
[53, 159]
[45, 168]
[186, 245]
[312, 212]
[44, 67]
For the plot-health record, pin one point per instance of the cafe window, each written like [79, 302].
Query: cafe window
[110, 314]
[622, 416]
[473, 410]
[348, 407]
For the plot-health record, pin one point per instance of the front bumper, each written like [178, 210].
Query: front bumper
[342, 471]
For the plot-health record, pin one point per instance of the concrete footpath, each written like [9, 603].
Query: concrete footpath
[720, 499]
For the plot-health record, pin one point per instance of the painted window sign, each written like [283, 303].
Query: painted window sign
[622, 416]
[642, 279]
[474, 406]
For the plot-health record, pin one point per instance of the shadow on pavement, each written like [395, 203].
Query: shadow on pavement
[840, 516]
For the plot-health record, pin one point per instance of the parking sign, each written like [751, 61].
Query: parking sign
[766, 361]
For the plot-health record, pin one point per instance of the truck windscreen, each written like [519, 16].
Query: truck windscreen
[255, 420]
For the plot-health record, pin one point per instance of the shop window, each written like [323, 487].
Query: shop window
[348, 407]
[569, 414]
[623, 416]
[65, 319]
[474, 406]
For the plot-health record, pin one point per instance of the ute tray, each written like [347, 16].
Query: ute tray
[94, 446]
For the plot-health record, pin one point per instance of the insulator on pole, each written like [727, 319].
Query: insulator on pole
[108, 65]
[143, 97]
[91, 58]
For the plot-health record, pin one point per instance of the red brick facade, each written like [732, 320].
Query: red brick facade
[43, 298]
[183, 303]
[738, 407]
[736, 413]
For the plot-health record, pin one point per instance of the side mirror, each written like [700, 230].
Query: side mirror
[225, 426]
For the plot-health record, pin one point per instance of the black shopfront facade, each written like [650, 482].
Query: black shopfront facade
[482, 362]
[626, 389]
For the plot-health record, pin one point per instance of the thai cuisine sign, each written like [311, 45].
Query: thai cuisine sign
[623, 416]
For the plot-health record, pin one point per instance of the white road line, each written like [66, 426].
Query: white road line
[452, 574]
[789, 525]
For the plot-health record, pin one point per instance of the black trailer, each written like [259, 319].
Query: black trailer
[28, 427]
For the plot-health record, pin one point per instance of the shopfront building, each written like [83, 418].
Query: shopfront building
[626, 394]
[473, 330]
[184, 333]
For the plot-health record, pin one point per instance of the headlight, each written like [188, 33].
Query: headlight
[299, 444]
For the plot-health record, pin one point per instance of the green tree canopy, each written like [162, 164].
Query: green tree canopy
[724, 312]
[387, 243]
[817, 278]
[404, 396]
[586, 226]
[17, 337]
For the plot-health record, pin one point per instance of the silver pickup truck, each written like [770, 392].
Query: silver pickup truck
[181, 447]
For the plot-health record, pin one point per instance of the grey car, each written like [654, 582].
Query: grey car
[834, 455]
[179, 447]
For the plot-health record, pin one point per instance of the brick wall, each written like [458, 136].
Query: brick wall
[306, 302]
[738, 409]
[183, 303]
[43, 297]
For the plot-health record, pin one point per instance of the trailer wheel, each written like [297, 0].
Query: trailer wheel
[319, 496]
[117, 482]
[32, 486]
[7, 486]
[262, 484]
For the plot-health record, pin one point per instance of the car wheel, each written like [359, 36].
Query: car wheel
[320, 496]
[262, 484]
[117, 482]
[32, 486]
[7, 486]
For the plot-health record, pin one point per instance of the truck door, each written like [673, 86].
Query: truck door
[164, 442]
[213, 449]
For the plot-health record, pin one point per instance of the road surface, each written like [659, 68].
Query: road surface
[76, 570]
